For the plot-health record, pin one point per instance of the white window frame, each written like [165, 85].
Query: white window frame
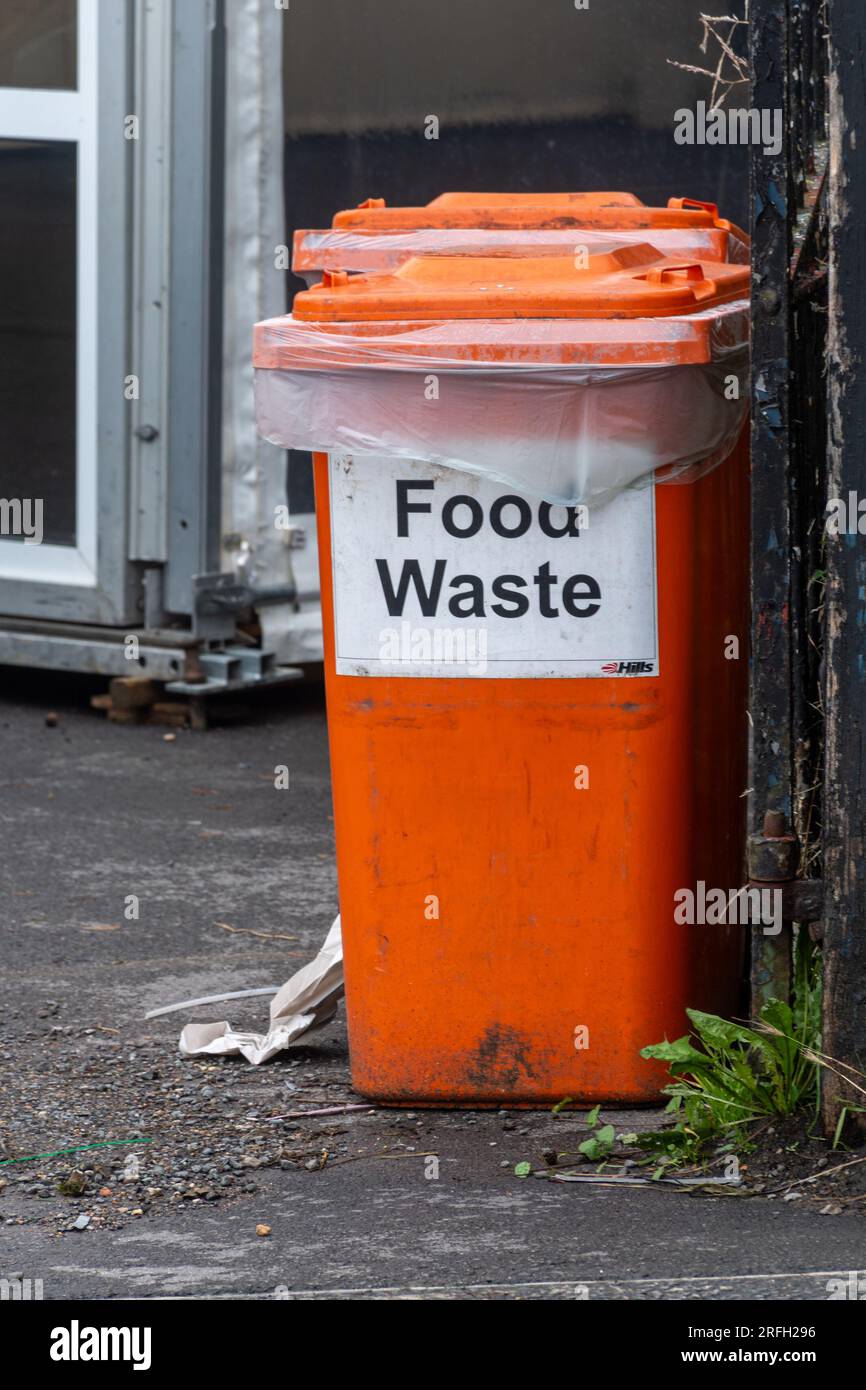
[70, 117]
[149, 246]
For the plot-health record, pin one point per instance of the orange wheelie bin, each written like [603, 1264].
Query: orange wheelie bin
[376, 237]
[532, 495]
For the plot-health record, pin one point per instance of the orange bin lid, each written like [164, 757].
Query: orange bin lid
[606, 211]
[630, 282]
[363, 251]
[533, 200]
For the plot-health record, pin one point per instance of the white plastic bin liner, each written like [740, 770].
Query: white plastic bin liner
[568, 433]
[362, 252]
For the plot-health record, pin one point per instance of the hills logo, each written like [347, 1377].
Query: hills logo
[628, 668]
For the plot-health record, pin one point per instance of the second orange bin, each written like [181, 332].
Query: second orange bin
[376, 237]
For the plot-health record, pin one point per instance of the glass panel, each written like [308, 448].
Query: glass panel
[37, 340]
[38, 44]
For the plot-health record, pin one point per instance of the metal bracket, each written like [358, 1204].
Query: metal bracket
[234, 669]
[220, 599]
[802, 898]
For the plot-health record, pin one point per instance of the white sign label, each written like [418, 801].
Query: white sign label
[439, 573]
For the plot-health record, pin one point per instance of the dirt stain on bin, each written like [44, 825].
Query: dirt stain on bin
[503, 1058]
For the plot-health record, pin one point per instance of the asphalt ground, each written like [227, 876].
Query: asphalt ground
[93, 813]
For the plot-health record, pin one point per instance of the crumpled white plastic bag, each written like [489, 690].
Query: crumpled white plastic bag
[307, 1001]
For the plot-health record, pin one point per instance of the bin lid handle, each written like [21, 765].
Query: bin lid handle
[711, 208]
[693, 272]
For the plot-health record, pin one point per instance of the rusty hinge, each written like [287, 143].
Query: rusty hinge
[772, 858]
